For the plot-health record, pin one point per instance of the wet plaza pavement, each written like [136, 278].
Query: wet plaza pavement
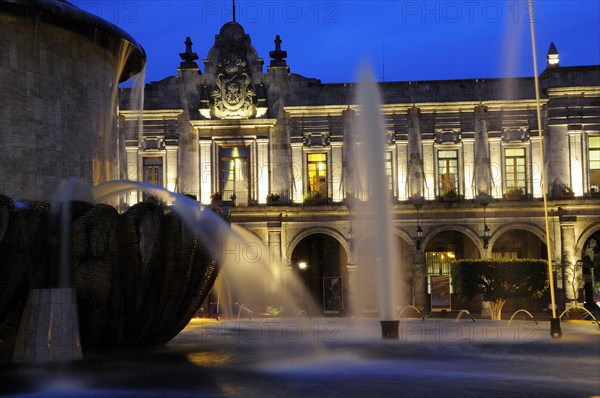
[331, 358]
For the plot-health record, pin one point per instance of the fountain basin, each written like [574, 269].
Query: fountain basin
[389, 329]
[59, 73]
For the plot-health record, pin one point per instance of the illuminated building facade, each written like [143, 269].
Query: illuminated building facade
[463, 164]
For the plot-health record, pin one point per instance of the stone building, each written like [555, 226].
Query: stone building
[463, 164]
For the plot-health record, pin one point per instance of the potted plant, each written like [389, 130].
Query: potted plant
[313, 198]
[273, 199]
[566, 192]
[216, 198]
[450, 196]
[514, 193]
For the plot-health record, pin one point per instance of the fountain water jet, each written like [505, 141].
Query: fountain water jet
[374, 214]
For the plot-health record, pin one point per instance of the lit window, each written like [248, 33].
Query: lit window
[514, 171]
[448, 173]
[388, 170]
[594, 159]
[438, 263]
[317, 175]
[233, 175]
[153, 172]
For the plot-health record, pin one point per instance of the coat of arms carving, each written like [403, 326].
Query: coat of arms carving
[233, 95]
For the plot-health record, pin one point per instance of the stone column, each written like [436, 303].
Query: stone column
[483, 176]
[496, 167]
[337, 190]
[419, 280]
[188, 166]
[535, 170]
[274, 261]
[263, 175]
[353, 290]
[570, 272]
[297, 173]
[557, 156]
[348, 153]
[575, 172]
[206, 171]
[415, 155]
[281, 167]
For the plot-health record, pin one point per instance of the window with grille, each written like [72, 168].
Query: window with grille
[448, 173]
[514, 170]
[594, 163]
[153, 170]
[234, 175]
[317, 175]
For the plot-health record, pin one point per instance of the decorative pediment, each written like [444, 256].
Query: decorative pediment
[448, 136]
[230, 89]
[153, 144]
[318, 139]
[390, 137]
[512, 134]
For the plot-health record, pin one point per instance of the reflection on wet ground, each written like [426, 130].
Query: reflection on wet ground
[333, 357]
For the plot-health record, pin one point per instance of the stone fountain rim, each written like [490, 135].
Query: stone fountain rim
[68, 16]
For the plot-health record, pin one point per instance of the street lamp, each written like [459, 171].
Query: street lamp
[486, 236]
[419, 237]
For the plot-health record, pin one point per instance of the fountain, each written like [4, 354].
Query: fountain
[373, 215]
[60, 72]
[140, 276]
[295, 356]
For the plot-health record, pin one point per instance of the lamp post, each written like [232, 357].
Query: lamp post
[419, 237]
[486, 236]
[555, 331]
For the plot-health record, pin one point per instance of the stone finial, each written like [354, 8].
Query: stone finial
[278, 55]
[552, 57]
[188, 56]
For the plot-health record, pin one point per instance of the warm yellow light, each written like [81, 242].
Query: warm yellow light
[576, 176]
[321, 166]
[302, 265]
[450, 255]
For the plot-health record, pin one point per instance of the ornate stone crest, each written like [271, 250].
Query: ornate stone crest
[233, 96]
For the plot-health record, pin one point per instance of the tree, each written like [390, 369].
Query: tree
[497, 280]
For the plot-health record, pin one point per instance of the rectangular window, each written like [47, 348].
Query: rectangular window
[317, 175]
[514, 170]
[153, 170]
[234, 181]
[388, 170]
[594, 159]
[448, 173]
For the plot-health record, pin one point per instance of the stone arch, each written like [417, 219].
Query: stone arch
[334, 233]
[534, 229]
[467, 231]
[319, 261]
[529, 227]
[396, 232]
[584, 236]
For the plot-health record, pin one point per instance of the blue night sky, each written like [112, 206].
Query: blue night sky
[403, 40]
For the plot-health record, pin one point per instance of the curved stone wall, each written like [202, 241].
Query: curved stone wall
[59, 72]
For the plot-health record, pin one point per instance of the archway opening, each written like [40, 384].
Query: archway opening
[366, 301]
[440, 252]
[320, 262]
[590, 261]
[521, 244]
